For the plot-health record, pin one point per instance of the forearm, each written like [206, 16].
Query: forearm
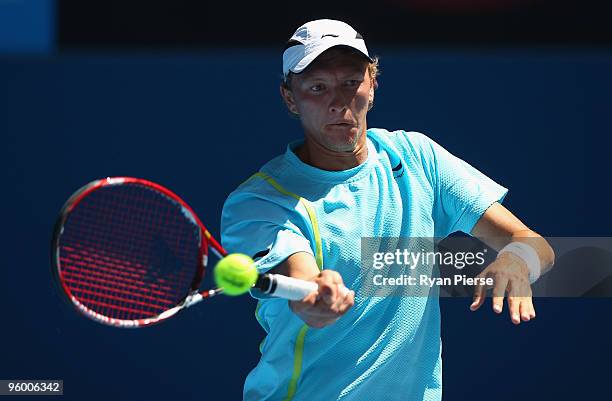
[498, 227]
[300, 265]
[545, 252]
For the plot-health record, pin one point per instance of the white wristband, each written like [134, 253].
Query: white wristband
[528, 254]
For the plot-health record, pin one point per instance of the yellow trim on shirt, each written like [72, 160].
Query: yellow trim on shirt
[298, 351]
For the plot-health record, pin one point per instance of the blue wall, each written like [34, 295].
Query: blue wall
[538, 122]
[27, 26]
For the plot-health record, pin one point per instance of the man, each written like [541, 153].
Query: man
[305, 212]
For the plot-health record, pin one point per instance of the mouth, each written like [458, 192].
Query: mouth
[342, 124]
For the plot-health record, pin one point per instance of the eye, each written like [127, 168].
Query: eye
[317, 88]
[353, 82]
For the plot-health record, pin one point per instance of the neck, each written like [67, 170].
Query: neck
[314, 154]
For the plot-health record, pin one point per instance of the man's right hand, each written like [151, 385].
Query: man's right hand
[325, 306]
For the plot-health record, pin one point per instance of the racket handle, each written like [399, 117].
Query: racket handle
[288, 287]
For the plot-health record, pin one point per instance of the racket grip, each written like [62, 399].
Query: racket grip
[288, 287]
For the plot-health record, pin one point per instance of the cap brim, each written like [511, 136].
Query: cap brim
[306, 61]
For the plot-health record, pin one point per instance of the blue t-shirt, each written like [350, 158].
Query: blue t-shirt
[385, 347]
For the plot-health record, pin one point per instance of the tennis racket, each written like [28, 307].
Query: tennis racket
[127, 252]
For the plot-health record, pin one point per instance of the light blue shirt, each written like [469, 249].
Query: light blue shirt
[383, 348]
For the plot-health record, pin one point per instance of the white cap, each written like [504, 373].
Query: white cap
[314, 37]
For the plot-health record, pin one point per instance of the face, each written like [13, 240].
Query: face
[331, 98]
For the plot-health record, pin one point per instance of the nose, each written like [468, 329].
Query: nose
[337, 102]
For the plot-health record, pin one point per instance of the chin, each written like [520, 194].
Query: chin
[343, 146]
[343, 136]
[348, 140]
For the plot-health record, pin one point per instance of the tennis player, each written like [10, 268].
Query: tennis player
[304, 215]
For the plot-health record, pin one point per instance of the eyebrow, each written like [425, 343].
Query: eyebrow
[317, 75]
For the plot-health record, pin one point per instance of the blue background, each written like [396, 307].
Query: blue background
[27, 26]
[537, 121]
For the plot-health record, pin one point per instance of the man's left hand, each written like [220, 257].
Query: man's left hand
[510, 275]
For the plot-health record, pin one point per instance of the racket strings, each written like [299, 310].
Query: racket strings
[78, 270]
[128, 252]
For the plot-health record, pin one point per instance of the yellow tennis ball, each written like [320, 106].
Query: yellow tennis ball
[235, 273]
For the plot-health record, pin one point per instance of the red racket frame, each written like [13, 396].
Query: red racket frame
[206, 240]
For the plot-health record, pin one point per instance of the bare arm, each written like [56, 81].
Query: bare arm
[498, 227]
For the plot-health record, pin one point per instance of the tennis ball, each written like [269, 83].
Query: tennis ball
[235, 273]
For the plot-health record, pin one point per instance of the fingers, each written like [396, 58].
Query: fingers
[514, 304]
[311, 298]
[479, 297]
[343, 290]
[520, 303]
[521, 309]
[332, 290]
[328, 304]
[346, 300]
[309, 301]
[527, 310]
[499, 291]
[328, 281]
[507, 279]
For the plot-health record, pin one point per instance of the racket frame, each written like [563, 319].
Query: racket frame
[194, 295]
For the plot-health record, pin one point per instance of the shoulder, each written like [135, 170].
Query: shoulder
[412, 145]
[256, 192]
[261, 194]
[402, 140]
[255, 186]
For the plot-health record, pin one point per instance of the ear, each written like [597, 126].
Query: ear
[373, 87]
[289, 100]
